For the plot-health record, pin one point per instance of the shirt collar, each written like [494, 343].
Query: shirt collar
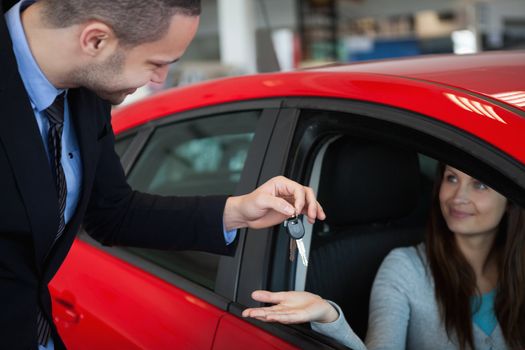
[41, 92]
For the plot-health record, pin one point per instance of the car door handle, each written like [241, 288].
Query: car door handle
[66, 311]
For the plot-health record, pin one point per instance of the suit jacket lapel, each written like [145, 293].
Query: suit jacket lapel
[22, 142]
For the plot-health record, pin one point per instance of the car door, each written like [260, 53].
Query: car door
[345, 253]
[134, 298]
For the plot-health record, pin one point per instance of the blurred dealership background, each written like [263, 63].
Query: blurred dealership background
[248, 36]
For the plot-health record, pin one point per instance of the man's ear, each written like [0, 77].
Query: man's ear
[97, 38]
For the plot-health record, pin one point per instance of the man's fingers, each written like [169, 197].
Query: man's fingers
[278, 199]
[278, 204]
[311, 204]
[285, 187]
[312, 209]
[304, 200]
[320, 212]
[299, 198]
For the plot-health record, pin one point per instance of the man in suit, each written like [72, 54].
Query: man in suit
[62, 63]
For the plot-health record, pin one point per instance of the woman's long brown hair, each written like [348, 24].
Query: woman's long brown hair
[455, 281]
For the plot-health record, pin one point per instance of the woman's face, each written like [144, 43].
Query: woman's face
[469, 207]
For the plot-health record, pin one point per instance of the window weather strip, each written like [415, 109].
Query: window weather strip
[301, 270]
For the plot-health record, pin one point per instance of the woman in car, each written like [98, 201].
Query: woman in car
[463, 288]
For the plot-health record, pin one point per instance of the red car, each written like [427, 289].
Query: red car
[366, 137]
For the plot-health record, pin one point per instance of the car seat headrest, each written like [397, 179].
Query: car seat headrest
[364, 181]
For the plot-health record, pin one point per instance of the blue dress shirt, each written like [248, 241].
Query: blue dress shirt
[42, 94]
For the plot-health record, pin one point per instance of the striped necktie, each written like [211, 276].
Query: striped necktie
[55, 115]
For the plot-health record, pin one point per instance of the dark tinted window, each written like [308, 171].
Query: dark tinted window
[122, 144]
[198, 157]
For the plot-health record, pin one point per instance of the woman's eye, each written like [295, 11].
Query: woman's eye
[451, 178]
[480, 185]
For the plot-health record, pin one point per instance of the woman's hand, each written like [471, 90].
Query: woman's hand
[291, 307]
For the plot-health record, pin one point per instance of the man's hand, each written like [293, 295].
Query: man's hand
[291, 307]
[270, 204]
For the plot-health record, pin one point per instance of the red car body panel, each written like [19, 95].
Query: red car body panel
[488, 74]
[434, 94]
[246, 337]
[458, 91]
[111, 320]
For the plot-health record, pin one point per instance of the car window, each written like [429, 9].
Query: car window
[199, 157]
[376, 195]
[122, 144]
[374, 179]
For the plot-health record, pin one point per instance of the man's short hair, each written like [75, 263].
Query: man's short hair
[134, 22]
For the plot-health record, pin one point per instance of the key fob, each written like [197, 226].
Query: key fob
[294, 227]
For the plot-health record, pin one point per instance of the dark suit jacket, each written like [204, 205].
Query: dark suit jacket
[109, 210]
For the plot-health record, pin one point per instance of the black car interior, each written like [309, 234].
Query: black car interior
[376, 198]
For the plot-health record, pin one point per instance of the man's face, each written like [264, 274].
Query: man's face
[128, 69]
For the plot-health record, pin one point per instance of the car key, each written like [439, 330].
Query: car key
[295, 229]
[293, 249]
[293, 244]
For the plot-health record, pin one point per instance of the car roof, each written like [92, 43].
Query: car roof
[480, 94]
[498, 75]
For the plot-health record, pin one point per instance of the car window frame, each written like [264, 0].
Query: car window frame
[290, 157]
[229, 271]
[141, 136]
[227, 276]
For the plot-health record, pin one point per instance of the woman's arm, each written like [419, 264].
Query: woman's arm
[388, 317]
[389, 310]
[339, 330]
[300, 307]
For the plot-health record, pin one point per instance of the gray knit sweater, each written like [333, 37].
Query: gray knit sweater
[403, 311]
